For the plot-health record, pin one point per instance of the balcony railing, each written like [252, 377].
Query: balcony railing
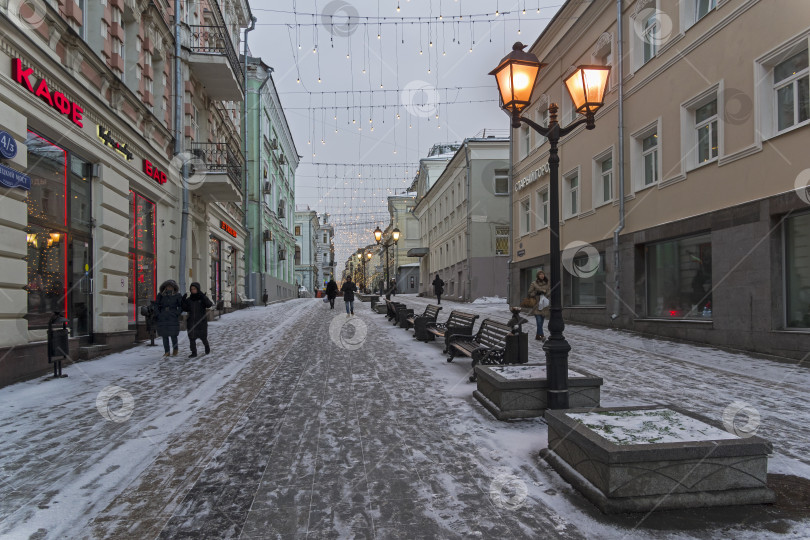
[214, 40]
[221, 157]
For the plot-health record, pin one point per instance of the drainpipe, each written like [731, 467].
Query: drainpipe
[245, 191]
[617, 261]
[260, 202]
[178, 145]
[511, 217]
[469, 221]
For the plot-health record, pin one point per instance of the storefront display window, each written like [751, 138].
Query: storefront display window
[142, 250]
[679, 278]
[216, 269]
[58, 236]
[587, 288]
[797, 265]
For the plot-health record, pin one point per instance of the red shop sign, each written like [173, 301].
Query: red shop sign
[57, 100]
[227, 228]
[153, 172]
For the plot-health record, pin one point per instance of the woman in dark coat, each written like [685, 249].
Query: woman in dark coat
[438, 288]
[168, 306]
[348, 290]
[196, 305]
[331, 292]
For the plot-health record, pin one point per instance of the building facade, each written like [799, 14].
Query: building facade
[689, 216]
[92, 208]
[271, 187]
[325, 251]
[400, 208]
[464, 222]
[306, 227]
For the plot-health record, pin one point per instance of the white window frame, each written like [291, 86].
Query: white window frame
[541, 118]
[524, 141]
[498, 229]
[689, 127]
[568, 115]
[541, 216]
[524, 216]
[572, 193]
[598, 178]
[499, 174]
[637, 154]
[764, 91]
[638, 28]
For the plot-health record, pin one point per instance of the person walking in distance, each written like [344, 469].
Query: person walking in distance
[168, 306]
[331, 291]
[265, 297]
[438, 288]
[348, 290]
[539, 291]
[196, 305]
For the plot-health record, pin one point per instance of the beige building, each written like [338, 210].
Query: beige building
[91, 213]
[682, 216]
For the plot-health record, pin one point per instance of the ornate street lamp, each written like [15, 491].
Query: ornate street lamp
[378, 234]
[516, 76]
[395, 233]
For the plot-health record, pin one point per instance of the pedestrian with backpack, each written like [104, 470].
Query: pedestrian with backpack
[348, 290]
[168, 307]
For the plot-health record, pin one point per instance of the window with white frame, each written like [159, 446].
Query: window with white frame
[568, 114]
[525, 216]
[571, 194]
[542, 119]
[541, 219]
[501, 181]
[649, 31]
[525, 141]
[706, 127]
[791, 85]
[703, 7]
[645, 156]
[603, 178]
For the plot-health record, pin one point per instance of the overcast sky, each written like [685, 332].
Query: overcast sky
[419, 81]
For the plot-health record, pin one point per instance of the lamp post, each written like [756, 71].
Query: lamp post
[516, 76]
[369, 255]
[378, 234]
[360, 258]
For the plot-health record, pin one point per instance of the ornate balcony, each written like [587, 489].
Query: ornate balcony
[215, 62]
[222, 169]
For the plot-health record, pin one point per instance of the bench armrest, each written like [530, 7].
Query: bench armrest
[459, 337]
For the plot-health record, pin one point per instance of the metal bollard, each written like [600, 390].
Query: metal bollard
[58, 343]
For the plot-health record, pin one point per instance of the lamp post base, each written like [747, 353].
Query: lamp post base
[556, 349]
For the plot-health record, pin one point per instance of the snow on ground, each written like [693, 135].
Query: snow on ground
[277, 396]
[489, 300]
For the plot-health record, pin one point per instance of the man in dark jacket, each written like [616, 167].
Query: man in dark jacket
[438, 288]
[196, 305]
[168, 306]
[348, 291]
[331, 291]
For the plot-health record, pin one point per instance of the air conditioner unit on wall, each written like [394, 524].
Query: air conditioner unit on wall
[268, 187]
[268, 236]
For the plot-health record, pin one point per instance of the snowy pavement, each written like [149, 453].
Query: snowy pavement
[288, 430]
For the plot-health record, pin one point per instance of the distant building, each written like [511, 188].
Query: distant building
[325, 251]
[306, 248]
[463, 217]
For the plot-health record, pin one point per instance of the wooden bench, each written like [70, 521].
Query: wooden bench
[457, 323]
[392, 308]
[430, 315]
[486, 347]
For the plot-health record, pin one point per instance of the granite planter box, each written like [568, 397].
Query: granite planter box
[519, 390]
[637, 459]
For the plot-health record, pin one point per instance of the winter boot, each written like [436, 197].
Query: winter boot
[174, 352]
[193, 355]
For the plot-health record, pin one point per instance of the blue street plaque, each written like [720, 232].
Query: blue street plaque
[8, 146]
[13, 179]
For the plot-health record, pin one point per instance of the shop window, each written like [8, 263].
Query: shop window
[59, 245]
[215, 249]
[586, 285]
[679, 278]
[797, 265]
[501, 240]
[142, 251]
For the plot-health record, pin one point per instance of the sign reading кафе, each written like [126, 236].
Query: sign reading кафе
[57, 100]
